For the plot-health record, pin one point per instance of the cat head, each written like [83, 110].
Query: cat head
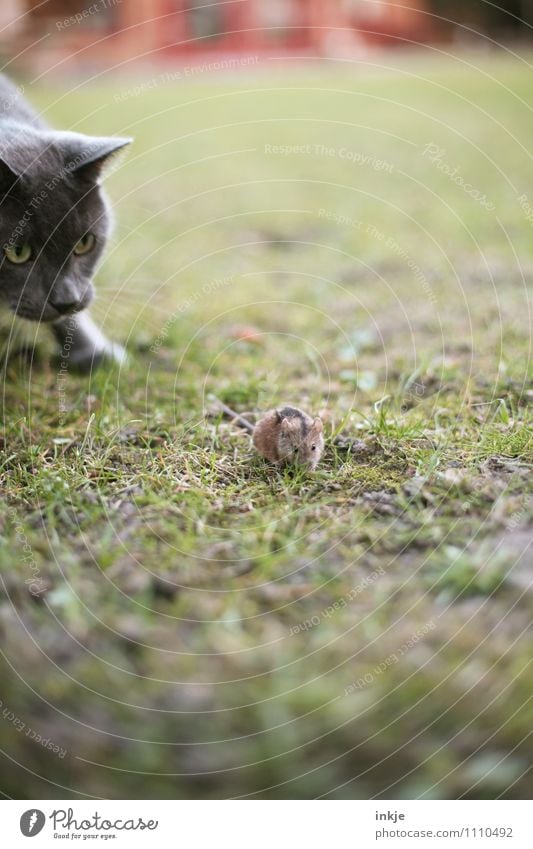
[54, 220]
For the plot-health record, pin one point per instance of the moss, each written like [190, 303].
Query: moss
[202, 614]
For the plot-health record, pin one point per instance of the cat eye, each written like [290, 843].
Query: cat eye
[18, 254]
[85, 244]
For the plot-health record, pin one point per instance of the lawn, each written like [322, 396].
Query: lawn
[177, 618]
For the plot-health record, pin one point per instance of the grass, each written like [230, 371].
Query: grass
[198, 618]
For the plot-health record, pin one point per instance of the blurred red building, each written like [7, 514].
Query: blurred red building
[117, 32]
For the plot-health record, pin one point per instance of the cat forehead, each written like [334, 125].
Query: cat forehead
[44, 197]
[28, 156]
[44, 214]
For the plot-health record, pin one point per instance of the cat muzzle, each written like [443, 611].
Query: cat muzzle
[68, 307]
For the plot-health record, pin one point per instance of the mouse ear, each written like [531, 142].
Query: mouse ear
[279, 417]
[318, 424]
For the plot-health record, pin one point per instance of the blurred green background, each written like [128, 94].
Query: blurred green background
[354, 241]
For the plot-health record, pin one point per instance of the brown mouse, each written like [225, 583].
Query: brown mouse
[285, 435]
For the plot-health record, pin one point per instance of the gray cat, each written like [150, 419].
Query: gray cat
[54, 224]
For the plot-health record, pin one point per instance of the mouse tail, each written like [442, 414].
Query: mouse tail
[235, 416]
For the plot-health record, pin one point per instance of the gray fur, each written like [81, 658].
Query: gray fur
[295, 413]
[50, 198]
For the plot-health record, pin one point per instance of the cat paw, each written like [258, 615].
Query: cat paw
[113, 353]
[86, 361]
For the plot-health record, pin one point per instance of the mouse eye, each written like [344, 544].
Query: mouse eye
[313, 447]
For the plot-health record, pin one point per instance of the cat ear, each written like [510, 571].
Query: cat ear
[7, 175]
[98, 153]
[88, 155]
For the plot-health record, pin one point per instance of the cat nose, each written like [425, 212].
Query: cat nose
[66, 307]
